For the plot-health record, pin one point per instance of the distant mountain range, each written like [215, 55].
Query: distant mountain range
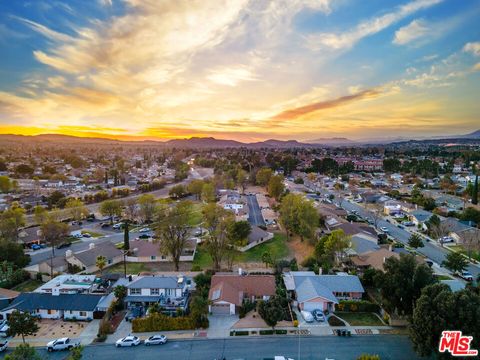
[210, 142]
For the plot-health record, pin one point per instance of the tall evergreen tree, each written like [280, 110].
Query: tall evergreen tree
[475, 191]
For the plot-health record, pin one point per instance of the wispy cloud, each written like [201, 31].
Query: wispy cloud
[416, 29]
[473, 48]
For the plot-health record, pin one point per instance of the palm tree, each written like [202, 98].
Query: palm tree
[101, 262]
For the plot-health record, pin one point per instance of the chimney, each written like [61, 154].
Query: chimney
[68, 253]
[91, 246]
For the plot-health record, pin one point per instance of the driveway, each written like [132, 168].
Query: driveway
[254, 213]
[220, 325]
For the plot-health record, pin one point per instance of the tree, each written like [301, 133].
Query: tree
[75, 353]
[298, 216]
[173, 231]
[455, 262]
[13, 253]
[131, 208]
[415, 241]
[439, 309]
[120, 292]
[276, 186]
[242, 177]
[401, 283]
[11, 221]
[335, 245]
[101, 262]
[238, 231]
[126, 236]
[267, 258]
[263, 176]
[208, 193]
[5, 184]
[23, 352]
[22, 323]
[111, 208]
[271, 311]
[177, 191]
[53, 232]
[148, 206]
[195, 187]
[39, 214]
[475, 191]
[217, 220]
[76, 209]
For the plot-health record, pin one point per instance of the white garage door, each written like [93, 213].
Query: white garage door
[310, 306]
[221, 309]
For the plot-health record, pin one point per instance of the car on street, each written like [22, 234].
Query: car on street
[318, 315]
[446, 239]
[408, 223]
[128, 341]
[3, 345]
[62, 344]
[144, 230]
[384, 229]
[35, 247]
[4, 328]
[86, 235]
[466, 275]
[156, 340]
[307, 316]
[104, 225]
[117, 226]
[400, 226]
[144, 236]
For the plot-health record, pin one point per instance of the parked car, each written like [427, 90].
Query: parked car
[446, 239]
[156, 340]
[104, 225]
[3, 345]
[117, 226]
[86, 235]
[4, 328]
[307, 316]
[64, 245]
[128, 341]
[466, 275]
[144, 230]
[318, 315]
[384, 229]
[62, 344]
[400, 226]
[35, 247]
[77, 236]
[144, 236]
[408, 223]
[133, 313]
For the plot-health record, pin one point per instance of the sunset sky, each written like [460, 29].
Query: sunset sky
[244, 70]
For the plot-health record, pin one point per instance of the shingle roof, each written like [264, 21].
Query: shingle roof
[89, 257]
[156, 282]
[374, 259]
[8, 294]
[362, 245]
[232, 288]
[32, 301]
[257, 234]
[310, 289]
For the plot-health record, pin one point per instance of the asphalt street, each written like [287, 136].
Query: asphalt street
[254, 213]
[389, 347]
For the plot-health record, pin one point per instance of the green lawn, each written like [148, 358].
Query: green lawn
[459, 248]
[277, 248]
[442, 277]
[92, 233]
[360, 319]
[28, 285]
[196, 215]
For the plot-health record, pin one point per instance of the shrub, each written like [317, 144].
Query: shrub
[334, 321]
[295, 323]
[101, 338]
[281, 332]
[196, 268]
[238, 333]
[266, 332]
[368, 357]
[357, 306]
[160, 322]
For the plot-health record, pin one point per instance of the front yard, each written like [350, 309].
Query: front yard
[360, 318]
[276, 247]
[459, 248]
[28, 285]
[135, 268]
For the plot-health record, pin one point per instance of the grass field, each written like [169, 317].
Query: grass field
[28, 285]
[277, 248]
[360, 318]
[443, 277]
[459, 248]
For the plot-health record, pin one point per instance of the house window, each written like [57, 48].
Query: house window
[154, 291]
[153, 257]
[109, 261]
[83, 313]
[168, 291]
[135, 291]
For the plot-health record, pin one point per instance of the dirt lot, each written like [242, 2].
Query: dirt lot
[253, 320]
[300, 249]
[57, 329]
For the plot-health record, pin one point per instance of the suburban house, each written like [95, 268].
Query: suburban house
[228, 291]
[374, 258]
[311, 291]
[86, 260]
[7, 296]
[149, 251]
[420, 217]
[70, 284]
[170, 292]
[56, 305]
[256, 236]
[460, 231]
[351, 229]
[361, 243]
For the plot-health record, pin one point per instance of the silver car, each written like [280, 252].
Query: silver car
[156, 340]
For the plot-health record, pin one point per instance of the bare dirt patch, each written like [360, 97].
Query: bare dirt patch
[300, 249]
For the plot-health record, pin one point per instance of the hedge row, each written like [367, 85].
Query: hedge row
[238, 333]
[357, 306]
[160, 322]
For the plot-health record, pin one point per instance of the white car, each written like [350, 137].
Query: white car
[117, 226]
[145, 230]
[465, 275]
[156, 340]
[62, 344]
[384, 229]
[446, 239]
[4, 328]
[3, 345]
[307, 316]
[128, 341]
